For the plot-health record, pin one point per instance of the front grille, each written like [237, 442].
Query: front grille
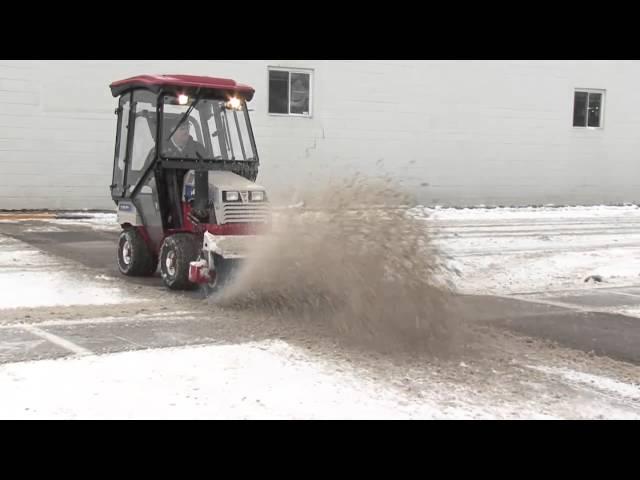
[246, 212]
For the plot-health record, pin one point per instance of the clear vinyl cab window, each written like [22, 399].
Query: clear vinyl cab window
[208, 129]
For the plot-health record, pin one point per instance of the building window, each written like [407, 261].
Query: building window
[290, 92]
[588, 108]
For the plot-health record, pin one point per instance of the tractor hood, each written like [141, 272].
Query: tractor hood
[242, 209]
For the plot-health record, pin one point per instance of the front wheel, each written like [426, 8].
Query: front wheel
[176, 253]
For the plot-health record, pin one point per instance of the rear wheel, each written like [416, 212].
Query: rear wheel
[134, 256]
[177, 252]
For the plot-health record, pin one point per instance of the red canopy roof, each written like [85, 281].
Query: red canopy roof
[156, 82]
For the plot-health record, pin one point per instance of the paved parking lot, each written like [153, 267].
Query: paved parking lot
[605, 321]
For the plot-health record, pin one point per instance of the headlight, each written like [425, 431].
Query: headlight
[231, 196]
[257, 196]
[234, 103]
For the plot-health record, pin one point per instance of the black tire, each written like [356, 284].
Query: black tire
[176, 253]
[135, 259]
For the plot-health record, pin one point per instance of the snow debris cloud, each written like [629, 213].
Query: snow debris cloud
[355, 260]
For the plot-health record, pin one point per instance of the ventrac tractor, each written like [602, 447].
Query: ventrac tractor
[184, 176]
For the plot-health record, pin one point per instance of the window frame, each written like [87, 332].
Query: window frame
[290, 70]
[589, 91]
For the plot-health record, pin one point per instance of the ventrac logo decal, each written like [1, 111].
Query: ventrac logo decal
[245, 196]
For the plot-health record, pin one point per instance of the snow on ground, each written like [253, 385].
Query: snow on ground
[95, 220]
[604, 384]
[508, 250]
[522, 272]
[516, 250]
[45, 229]
[534, 249]
[233, 381]
[494, 251]
[31, 278]
[528, 213]
[33, 289]
[261, 380]
[629, 311]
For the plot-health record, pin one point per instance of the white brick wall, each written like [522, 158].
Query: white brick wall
[477, 132]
